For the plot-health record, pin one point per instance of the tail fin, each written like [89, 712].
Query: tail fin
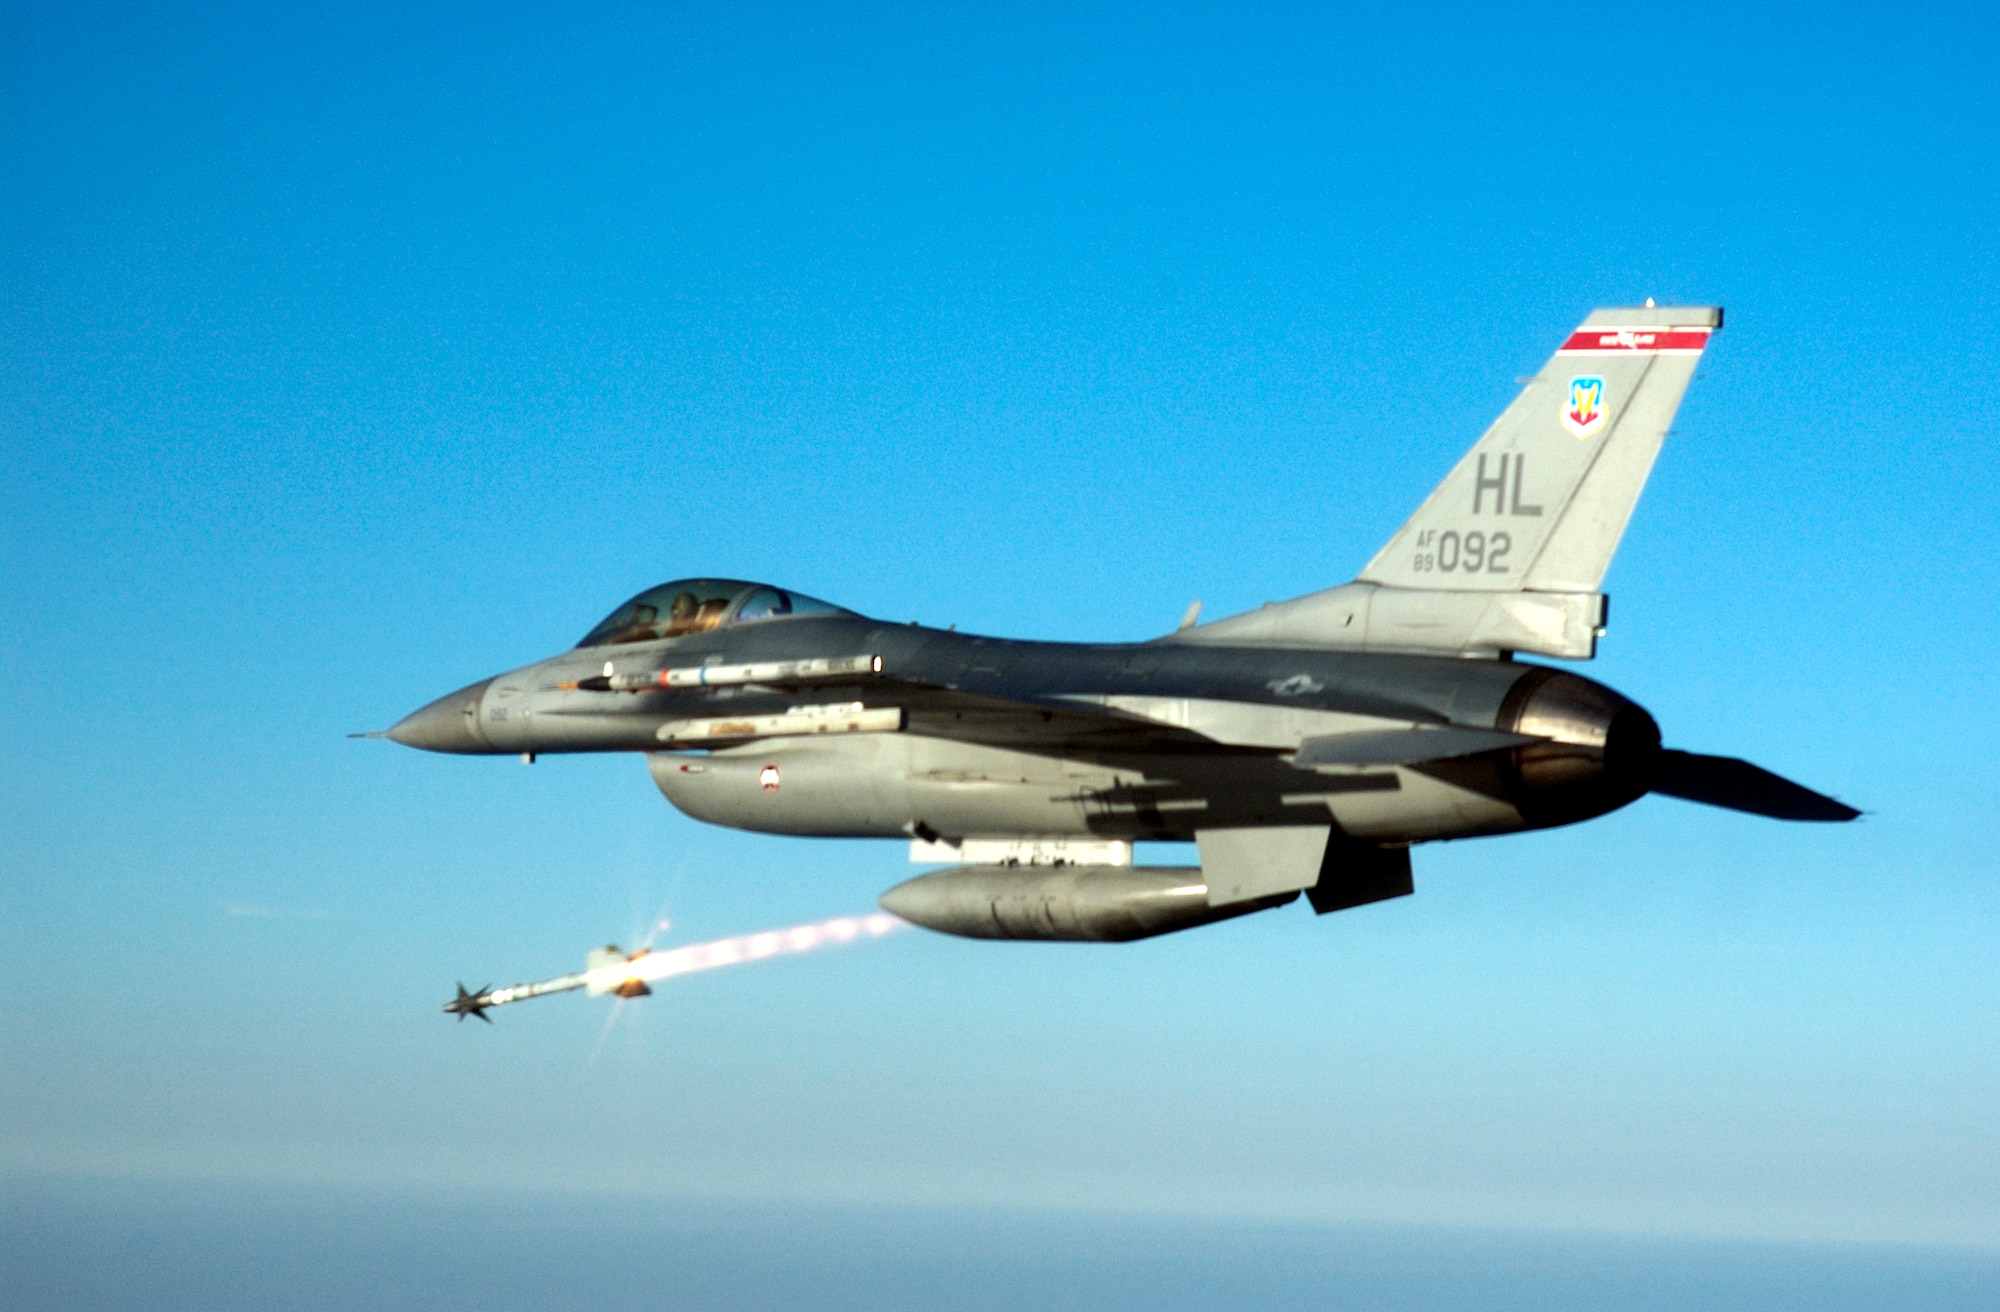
[1542, 499]
[1510, 551]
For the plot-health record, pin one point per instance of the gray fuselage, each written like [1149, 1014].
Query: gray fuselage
[1134, 741]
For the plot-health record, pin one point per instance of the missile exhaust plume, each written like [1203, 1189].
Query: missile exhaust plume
[610, 970]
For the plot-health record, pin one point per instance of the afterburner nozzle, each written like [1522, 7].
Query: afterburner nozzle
[1596, 750]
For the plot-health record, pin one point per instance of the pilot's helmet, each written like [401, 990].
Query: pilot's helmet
[684, 606]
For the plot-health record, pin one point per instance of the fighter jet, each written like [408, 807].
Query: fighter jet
[1303, 747]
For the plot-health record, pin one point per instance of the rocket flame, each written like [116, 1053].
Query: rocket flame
[722, 952]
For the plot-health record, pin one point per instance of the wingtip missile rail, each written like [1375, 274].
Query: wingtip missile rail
[717, 676]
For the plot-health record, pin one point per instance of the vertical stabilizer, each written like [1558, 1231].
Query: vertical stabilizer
[1509, 553]
[1542, 499]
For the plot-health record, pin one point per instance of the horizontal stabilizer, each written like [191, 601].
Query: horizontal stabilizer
[1404, 746]
[1740, 786]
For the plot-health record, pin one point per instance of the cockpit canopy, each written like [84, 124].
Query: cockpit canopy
[698, 605]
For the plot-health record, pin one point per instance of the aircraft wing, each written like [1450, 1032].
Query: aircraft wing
[1031, 724]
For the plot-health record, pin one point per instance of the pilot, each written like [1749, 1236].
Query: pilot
[711, 613]
[681, 612]
[638, 625]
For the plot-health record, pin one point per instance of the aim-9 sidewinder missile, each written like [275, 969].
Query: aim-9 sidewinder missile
[612, 970]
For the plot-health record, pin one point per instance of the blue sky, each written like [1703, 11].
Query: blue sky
[353, 355]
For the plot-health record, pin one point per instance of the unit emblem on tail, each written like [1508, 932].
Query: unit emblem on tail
[1586, 406]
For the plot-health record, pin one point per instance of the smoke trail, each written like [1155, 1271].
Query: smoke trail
[744, 948]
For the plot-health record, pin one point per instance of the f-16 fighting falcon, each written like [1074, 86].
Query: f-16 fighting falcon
[1305, 746]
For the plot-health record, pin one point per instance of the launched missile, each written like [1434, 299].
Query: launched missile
[605, 970]
[610, 969]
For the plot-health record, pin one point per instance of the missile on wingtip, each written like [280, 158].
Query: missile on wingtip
[709, 676]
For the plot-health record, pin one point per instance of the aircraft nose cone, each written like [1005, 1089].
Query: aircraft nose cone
[449, 724]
